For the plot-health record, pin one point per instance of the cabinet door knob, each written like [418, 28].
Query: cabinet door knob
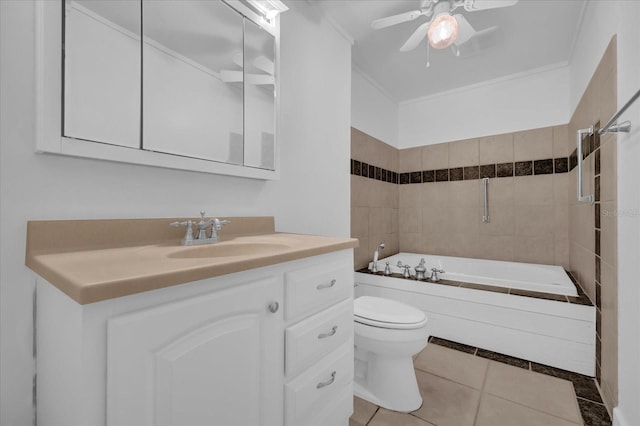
[328, 382]
[327, 285]
[273, 307]
[329, 333]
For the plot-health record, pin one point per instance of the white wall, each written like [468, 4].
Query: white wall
[602, 20]
[312, 195]
[372, 111]
[520, 102]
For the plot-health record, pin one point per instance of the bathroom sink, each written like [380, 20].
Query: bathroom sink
[229, 249]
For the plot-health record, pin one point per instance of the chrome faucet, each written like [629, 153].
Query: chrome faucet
[421, 270]
[434, 274]
[201, 230]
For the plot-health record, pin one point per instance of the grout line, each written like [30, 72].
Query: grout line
[374, 414]
[590, 400]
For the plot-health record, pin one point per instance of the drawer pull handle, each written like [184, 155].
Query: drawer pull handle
[328, 285]
[328, 334]
[328, 382]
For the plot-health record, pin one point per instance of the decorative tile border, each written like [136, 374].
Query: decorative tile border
[592, 409]
[581, 299]
[518, 168]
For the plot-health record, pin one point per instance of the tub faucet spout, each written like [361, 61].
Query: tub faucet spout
[376, 254]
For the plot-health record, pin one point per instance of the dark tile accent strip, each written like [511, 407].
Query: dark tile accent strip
[378, 174]
[598, 269]
[492, 288]
[596, 168]
[384, 175]
[471, 173]
[598, 324]
[586, 146]
[453, 345]
[596, 133]
[598, 295]
[442, 175]
[561, 165]
[364, 170]
[593, 414]
[405, 178]
[573, 160]
[597, 237]
[372, 171]
[429, 176]
[524, 168]
[488, 171]
[543, 167]
[357, 167]
[597, 188]
[416, 177]
[456, 174]
[506, 359]
[504, 169]
[582, 299]
[538, 295]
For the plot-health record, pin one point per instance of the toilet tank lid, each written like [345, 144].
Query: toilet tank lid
[387, 310]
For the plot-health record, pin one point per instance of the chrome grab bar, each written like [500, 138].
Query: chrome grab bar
[485, 184]
[581, 134]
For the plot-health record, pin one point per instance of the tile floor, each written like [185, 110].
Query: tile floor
[466, 386]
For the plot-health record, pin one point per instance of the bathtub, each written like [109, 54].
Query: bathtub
[522, 276]
[526, 311]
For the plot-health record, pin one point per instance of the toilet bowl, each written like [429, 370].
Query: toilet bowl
[387, 334]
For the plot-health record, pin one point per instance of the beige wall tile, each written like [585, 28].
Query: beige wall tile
[587, 268]
[374, 242]
[561, 141]
[608, 169]
[452, 364]
[410, 243]
[410, 220]
[379, 220]
[501, 221]
[435, 194]
[436, 221]
[360, 191]
[465, 193]
[395, 214]
[534, 221]
[496, 247]
[536, 144]
[410, 160]
[500, 192]
[358, 145]
[608, 233]
[464, 244]
[361, 256]
[533, 249]
[451, 404]
[437, 243]
[464, 153]
[561, 189]
[393, 246]
[435, 157]
[561, 251]
[410, 195]
[464, 220]
[607, 106]
[496, 149]
[359, 222]
[561, 220]
[530, 190]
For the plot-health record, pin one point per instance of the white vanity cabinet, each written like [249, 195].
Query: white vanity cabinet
[210, 352]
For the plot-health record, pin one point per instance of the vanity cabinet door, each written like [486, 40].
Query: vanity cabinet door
[209, 360]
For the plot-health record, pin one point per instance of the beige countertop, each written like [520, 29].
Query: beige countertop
[113, 265]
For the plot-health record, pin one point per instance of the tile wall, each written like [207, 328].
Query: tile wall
[593, 228]
[429, 199]
[374, 196]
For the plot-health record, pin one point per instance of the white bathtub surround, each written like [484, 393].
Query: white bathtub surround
[512, 275]
[550, 332]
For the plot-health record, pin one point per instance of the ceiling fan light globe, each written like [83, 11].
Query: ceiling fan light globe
[443, 31]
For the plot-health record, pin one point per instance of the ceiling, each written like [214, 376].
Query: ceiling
[535, 34]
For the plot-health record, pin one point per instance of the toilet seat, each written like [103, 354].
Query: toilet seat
[387, 313]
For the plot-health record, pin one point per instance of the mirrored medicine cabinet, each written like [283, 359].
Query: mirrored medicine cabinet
[184, 84]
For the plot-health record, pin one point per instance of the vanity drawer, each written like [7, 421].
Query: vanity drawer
[308, 395]
[310, 289]
[311, 339]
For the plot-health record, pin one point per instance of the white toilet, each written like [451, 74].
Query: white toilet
[387, 334]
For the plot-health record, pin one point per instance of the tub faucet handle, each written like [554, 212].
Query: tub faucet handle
[407, 273]
[387, 269]
[434, 274]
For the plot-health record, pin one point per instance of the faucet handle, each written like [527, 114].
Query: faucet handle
[188, 235]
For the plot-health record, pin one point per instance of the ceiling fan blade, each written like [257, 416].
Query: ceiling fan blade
[465, 30]
[481, 41]
[418, 35]
[395, 19]
[473, 5]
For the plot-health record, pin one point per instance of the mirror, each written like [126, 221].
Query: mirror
[188, 108]
[199, 80]
[101, 94]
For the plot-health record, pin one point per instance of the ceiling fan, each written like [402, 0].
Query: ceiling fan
[443, 28]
